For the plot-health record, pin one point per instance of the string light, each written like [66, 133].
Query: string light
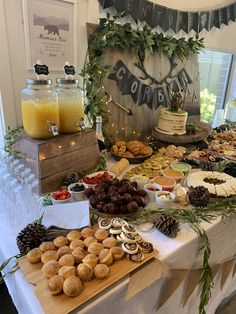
[72, 143]
[59, 146]
[42, 157]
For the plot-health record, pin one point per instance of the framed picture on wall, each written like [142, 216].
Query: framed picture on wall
[50, 32]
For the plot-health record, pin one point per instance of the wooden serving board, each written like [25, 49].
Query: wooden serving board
[62, 304]
[183, 139]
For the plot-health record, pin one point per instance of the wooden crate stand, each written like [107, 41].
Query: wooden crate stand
[52, 159]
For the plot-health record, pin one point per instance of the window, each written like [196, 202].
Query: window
[215, 69]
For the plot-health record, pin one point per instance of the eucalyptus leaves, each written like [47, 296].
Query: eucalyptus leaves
[141, 41]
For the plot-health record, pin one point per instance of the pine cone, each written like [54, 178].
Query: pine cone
[191, 161]
[71, 178]
[167, 225]
[30, 237]
[207, 165]
[199, 196]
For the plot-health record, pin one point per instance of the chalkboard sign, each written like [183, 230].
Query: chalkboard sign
[69, 70]
[41, 69]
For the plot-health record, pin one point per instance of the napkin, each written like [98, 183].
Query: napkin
[67, 215]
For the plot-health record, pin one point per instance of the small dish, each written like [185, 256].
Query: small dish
[141, 181]
[61, 196]
[177, 175]
[151, 189]
[93, 179]
[181, 166]
[166, 183]
[77, 195]
[164, 198]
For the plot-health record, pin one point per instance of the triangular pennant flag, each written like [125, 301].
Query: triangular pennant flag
[223, 16]
[145, 276]
[192, 282]
[192, 21]
[158, 16]
[203, 20]
[171, 285]
[234, 270]
[215, 18]
[230, 13]
[131, 8]
[227, 267]
[214, 270]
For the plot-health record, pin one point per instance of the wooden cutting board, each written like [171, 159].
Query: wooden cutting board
[62, 304]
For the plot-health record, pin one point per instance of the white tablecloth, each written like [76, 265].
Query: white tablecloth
[181, 252]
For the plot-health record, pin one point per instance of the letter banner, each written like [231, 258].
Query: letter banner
[152, 96]
[166, 18]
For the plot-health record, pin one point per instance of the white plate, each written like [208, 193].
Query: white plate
[96, 173]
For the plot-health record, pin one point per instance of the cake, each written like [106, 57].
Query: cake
[172, 122]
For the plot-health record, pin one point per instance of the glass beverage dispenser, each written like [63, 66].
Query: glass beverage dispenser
[40, 111]
[71, 104]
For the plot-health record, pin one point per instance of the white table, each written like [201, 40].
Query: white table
[180, 252]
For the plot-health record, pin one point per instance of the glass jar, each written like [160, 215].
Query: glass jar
[71, 104]
[230, 110]
[40, 111]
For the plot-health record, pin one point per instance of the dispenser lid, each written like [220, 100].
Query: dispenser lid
[67, 81]
[38, 82]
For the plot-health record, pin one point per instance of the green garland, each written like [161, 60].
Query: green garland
[224, 209]
[143, 41]
[11, 137]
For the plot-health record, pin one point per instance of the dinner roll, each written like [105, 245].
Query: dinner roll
[55, 284]
[50, 269]
[67, 260]
[34, 256]
[72, 286]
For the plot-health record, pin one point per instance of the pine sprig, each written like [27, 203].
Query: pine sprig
[224, 209]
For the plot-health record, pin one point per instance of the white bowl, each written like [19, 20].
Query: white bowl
[152, 194]
[164, 202]
[95, 174]
[141, 180]
[78, 196]
[54, 201]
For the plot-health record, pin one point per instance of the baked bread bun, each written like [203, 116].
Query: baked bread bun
[109, 242]
[67, 260]
[67, 271]
[85, 271]
[90, 259]
[50, 269]
[117, 253]
[77, 243]
[134, 147]
[89, 240]
[95, 248]
[55, 284]
[78, 254]
[60, 241]
[105, 257]
[87, 232]
[101, 234]
[72, 286]
[64, 250]
[34, 256]
[145, 151]
[128, 154]
[101, 271]
[49, 256]
[47, 246]
[74, 234]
